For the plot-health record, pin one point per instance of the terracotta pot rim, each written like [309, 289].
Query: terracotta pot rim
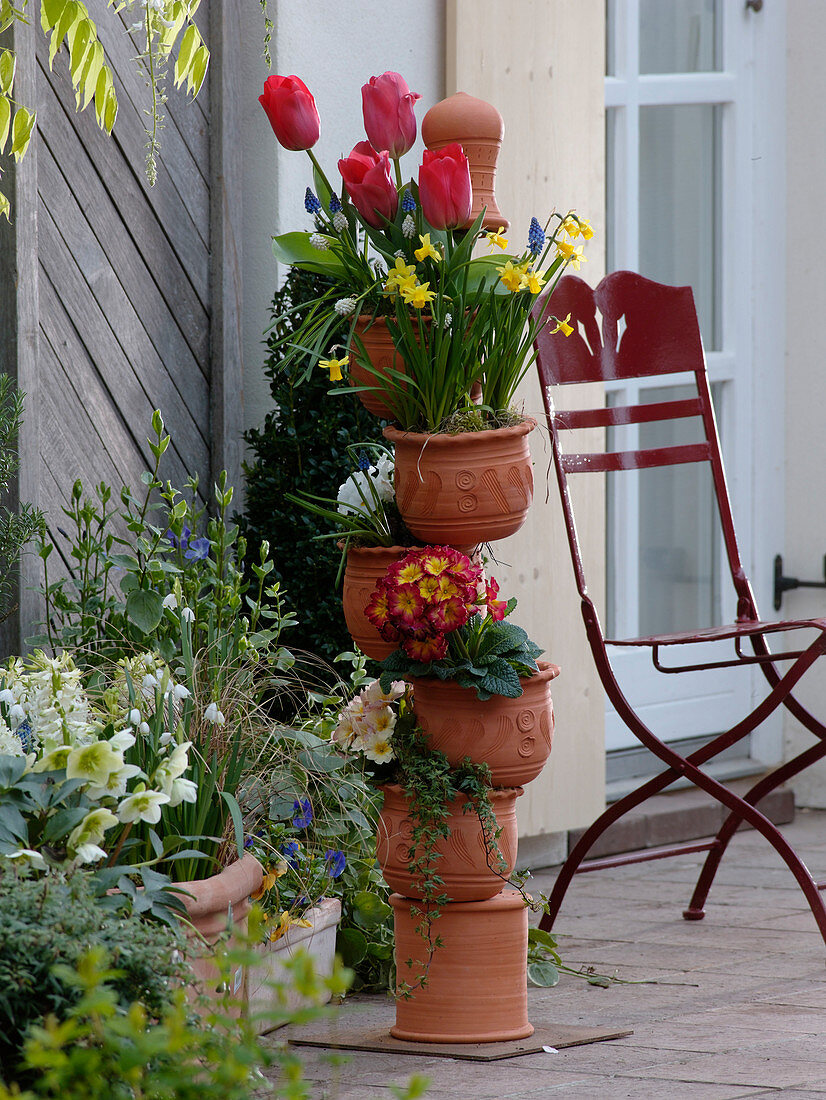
[505, 899]
[370, 551]
[447, 439]
[497, 793]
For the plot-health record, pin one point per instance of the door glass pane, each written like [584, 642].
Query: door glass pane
[679, 534]
[610, 37]
[679, 36]
[679, 205]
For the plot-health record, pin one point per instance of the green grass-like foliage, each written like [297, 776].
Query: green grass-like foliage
[16, 527]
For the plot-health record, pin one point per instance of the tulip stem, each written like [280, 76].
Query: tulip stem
[320, 170]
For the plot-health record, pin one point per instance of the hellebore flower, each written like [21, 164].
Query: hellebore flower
[389, 122]
[444, 187]
[292, 112]
[366, 176]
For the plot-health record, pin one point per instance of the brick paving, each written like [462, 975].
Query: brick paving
[732, 1006]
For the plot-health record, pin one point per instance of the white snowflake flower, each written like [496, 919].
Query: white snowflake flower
[212, 714]
[170, 601]
[187, 614]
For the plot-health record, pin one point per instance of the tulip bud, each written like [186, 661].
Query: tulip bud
[389, 122]
[445, 193]
[366, 175]
[292, 112]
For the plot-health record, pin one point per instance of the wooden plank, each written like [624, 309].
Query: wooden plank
[142, 208]
[191, 116]
[177, 325]
[112, 331]
[18, 323]
[176, 161]
[226, 234]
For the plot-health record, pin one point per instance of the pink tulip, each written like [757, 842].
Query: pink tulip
[389, 121]
[444, 187]
[366, 175]
[292, 112]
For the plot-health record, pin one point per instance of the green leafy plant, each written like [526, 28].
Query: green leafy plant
[17, 528]
[429, 602]
[53, 920]
[302, 446]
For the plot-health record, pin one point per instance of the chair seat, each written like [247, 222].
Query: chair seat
[720, 633]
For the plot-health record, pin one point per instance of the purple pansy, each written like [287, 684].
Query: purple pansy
[303, 813]
[336, 862]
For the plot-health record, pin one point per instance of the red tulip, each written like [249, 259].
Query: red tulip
[366, 175]
[292, 112]
[389, 121]
[444, 187]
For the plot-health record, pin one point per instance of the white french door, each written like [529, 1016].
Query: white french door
[688, 120]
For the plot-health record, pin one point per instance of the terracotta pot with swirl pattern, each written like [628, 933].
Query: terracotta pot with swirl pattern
[512, 736]
[464, 489]
[464, 864]
[366, 565]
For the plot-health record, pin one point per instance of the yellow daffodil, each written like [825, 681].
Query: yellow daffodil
[586, 229]
[571, 255]
[571, 226]
[512, 276]
[427, 251]
[418, 296]
[398, 272]
[497, 239]
[408, 282]
[563, 326]
[334, 367]
[532, 281]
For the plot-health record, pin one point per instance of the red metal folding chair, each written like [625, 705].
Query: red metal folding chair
[661, 337]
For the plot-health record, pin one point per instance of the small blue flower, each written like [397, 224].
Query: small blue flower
[408, 202]
[311, 203]
[179, 543]
[363, 460]
[303, 813]
[536, 238]
[335, 203]
[336, 862]
[248, 842]
[290, 852]
[198, 549]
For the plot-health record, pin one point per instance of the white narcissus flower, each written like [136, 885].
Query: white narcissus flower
[212, 714]
[142, 806]
[94, 762]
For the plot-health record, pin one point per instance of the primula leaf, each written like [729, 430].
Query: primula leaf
[144, 608]
[501, 679]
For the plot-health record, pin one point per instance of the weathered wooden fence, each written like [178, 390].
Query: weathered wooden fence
[117, 298]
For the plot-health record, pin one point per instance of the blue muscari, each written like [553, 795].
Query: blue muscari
[408, 202]
[311, 203]
[335, 203]
[24, 732]
[364, 460]
[536, 237]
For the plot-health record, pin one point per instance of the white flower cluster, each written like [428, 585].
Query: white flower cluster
[45, 715]
[365, 489]
[367, 722]
[345, 306]
[319, 242]
[340, 222]
[409, 227]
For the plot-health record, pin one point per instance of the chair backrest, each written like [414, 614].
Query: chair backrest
[661, 337]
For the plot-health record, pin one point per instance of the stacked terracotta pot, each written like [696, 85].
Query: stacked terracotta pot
[462, 491]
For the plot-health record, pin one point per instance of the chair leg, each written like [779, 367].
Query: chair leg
[592, 835]
[696, 907]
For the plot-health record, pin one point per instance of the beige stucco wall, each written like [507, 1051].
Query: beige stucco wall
[805, 542]
[541, 62]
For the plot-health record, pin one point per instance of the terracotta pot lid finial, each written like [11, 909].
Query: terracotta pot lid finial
[479, 128]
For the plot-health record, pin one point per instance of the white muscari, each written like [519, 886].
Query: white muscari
[345, 306]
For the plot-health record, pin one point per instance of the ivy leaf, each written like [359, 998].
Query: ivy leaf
[144, 608]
